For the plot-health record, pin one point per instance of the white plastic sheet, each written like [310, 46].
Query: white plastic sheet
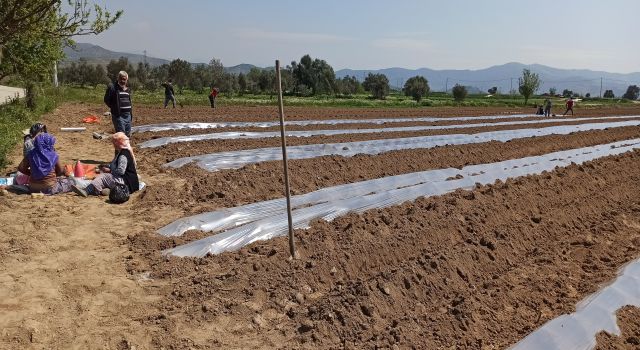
[238, 159]
[270, 124]
[232, 135]
[267, 220]
[596, 313]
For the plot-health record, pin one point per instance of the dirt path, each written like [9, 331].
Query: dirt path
[62, 277]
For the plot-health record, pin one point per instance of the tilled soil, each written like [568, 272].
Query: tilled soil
[474, 269]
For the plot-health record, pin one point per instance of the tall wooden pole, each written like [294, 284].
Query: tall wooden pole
[292, 245]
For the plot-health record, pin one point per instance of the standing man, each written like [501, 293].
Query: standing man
[169, 94]
[118, 98]
[569, 105]
[212, 96]
[547, 107]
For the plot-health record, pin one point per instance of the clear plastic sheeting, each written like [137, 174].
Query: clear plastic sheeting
[577, 331]
[262, 221]
[270, 124]
[232, 135]
[232, 217]
[238, 159]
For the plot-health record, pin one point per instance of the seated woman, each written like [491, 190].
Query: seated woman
[42, 164]
[121, 170]
[34, 131]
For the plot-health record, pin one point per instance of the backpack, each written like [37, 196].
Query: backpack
[119, 194]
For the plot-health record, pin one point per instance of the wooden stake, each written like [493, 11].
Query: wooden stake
[292, 245]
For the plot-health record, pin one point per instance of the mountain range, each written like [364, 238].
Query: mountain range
[504, 77]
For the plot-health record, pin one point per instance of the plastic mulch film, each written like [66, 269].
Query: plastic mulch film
[232, 135]
[238, 159]
[232, 217]
[577, 331]
[270, 124]
[251, 224]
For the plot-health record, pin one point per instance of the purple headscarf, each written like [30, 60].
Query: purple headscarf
[42, 158]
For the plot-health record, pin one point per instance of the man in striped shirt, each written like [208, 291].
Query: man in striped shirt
[118, 98]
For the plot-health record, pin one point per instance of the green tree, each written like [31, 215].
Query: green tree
[567, 93]
[229, 83]
[242, 83]
[348, 85]
[252, 79]
[459, 92]
[267, 81]
[99, 75]
[633, 91]
[180, 72]
[216, 70]
[493, 90]
[32, 33]
[528, 84]
[417, 87]
[608, 94]
[115, 66]
[143, 73]
[553, 91]
[314, 74]
[377, 85]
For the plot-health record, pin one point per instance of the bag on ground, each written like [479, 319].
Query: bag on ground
[119, 194]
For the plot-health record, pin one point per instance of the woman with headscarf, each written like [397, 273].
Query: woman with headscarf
[121, 170]
[42, 164]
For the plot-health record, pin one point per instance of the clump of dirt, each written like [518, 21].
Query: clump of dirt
[472, 269]
[629, 323]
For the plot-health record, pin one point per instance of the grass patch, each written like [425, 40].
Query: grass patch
[15, 117]
[394, 100]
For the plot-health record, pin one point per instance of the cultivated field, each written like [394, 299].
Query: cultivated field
[479, 267]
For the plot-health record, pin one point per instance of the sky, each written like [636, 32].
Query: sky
[372, 34]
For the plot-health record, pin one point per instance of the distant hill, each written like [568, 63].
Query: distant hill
[503, 76]
[95, 54]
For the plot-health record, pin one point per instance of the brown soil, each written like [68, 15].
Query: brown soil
[629, 322]
[473, 269]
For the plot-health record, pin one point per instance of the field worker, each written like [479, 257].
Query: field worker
[169, 94]
[569, 105]
[121, 171]
[42, 164]
[118, 98]
[547, 107]
[213, 95]
[34, 131]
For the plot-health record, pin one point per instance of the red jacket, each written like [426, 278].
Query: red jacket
[214, 92]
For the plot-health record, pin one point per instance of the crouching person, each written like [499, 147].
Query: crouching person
[42, 164]
[118, 177]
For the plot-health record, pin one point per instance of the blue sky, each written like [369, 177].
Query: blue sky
[359, 34]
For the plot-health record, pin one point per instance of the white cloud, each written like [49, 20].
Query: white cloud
[291, 37]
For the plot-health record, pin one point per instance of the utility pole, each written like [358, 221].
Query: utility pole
[600, 87]
[145, 57]
[446, 86]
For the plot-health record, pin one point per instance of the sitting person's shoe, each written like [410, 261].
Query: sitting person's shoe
[105, 192]
[79, 191]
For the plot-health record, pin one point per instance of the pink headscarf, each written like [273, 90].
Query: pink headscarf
[121, 141]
